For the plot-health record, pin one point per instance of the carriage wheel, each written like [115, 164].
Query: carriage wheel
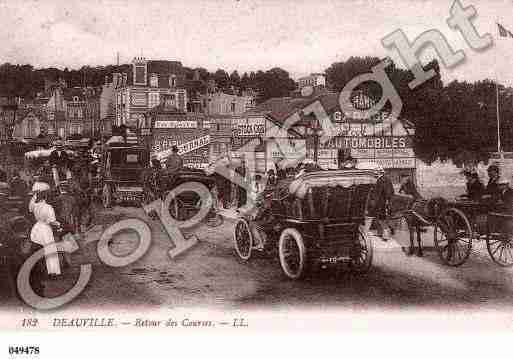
[106, 196]
[361, 261]
[243, 239]
[453, 237]
[292, 253]
[500, 249]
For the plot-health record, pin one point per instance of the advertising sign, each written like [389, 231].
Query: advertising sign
[238, 142]
[248, 127]
[183, 148]
[292, 149]
[369, 142]
[393, 162]
[176, 124]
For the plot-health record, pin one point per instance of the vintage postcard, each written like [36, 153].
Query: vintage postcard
[245, 166]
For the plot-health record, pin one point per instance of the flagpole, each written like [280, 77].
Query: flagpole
[498, 118]
[497, 96]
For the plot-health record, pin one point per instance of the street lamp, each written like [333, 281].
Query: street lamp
[313, 130]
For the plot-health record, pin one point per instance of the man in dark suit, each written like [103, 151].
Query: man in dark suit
[492, 188]
[475, 188]
[383, 194]
[59, 161]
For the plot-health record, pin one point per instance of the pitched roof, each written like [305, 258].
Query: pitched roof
[281, 108]
[164, 69]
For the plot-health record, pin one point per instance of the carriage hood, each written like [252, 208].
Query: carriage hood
[344, 178]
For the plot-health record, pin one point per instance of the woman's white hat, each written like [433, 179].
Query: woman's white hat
[40, 186]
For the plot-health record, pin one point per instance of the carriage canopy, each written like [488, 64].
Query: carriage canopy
[339, 178]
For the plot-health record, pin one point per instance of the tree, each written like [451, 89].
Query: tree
[244, 81]
[235, 79]
[222, 79]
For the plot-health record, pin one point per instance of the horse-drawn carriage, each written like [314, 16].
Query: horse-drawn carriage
[188, 202]
[317, 219]
[456, 224]
[122, 166]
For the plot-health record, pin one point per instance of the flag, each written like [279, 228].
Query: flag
[503, 32]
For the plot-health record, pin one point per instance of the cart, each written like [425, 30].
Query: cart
[456, 224]
[316, 220]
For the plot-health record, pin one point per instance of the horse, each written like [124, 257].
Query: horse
[421, 214]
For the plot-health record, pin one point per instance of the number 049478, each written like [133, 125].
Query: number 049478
[23, 350]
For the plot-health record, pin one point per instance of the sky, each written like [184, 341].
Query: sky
[300, 36]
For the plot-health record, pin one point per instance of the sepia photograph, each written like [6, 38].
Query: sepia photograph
[255, 165]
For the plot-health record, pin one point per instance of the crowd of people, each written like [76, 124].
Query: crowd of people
[496, 193]
[52, 192]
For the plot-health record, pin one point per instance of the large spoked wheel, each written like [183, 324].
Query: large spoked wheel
[243, 239]
[453, 237]
[292, 253]
[500, 250]
[500, 245]
[361, 260]
[106, 196]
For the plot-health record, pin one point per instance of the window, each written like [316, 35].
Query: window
[153, 99]
[154, 80]
[26, 129]
[61, 132]
[172, 80]
[75, 98]
[140, 75]
[233, 107]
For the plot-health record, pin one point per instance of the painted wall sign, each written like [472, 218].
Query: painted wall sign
[393, 162]
[295, 149]
[369, 142]
[183, 148]
[248, 127]
[176, 124]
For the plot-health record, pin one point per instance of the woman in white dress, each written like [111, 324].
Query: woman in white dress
[42, 233]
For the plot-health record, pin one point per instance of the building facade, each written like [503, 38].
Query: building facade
[220, 103]
[190, 132]
[29, 124]
[314, 80]
[380, 139]
[74, 111]
[140, 90]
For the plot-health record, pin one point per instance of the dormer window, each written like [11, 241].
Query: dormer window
[172, 80]
[75, 98]
[154, 80]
